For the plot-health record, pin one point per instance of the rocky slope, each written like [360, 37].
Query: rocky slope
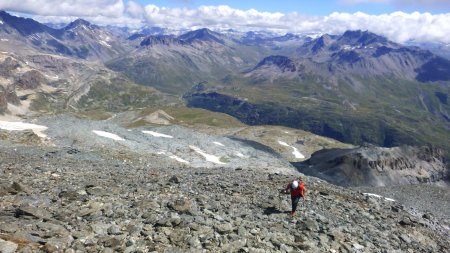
[43, 83]
[67, 199]
[374, 166]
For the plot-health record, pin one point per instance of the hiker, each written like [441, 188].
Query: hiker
[297, 189]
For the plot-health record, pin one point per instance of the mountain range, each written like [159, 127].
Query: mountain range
[356, 87]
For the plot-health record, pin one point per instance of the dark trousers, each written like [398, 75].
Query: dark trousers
[295, 200]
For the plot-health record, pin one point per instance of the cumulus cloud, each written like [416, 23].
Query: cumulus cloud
[87, 8]
[397, 26]
[135, 9]
[404, 3]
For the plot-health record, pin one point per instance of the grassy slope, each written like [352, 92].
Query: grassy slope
[177, 71]
[387, 111]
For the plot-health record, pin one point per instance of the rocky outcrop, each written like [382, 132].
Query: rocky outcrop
[282, 62]
[3, 100]
[165, 40]
[30, 80]
[374, 166]
[7, 95]
[7, 67]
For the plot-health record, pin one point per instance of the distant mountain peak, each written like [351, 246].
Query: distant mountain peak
[78, 23]
[360, 37]
[322, 42]
[203, 34]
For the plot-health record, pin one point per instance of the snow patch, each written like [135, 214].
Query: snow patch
[4, 39]
[108, 135]
[283, 143]
[105, 43]
[239, 154]
[218, 144]
[21, 126]
[295, 151]
[1, 22]
[378, 196]
[155, 134]
[208, 157]
[181, 160]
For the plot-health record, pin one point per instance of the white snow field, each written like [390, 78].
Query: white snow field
[296, 153]
[156, 134]
[218, 143]
[378, 196]
[21, 126]
[108, 135]
[208, 157]
[181, 160]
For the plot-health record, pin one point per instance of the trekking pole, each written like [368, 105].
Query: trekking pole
[280, 201]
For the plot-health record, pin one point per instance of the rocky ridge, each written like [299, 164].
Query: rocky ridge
[375, 166]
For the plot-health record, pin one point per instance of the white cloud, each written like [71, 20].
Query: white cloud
[135, 10]
[85, 8]
[397, 26]
[404, 3]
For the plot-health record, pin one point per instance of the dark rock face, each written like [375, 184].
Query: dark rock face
[166, 40]
[437, 69]
[7, 67]
[373, 166]
[3, 99]
[282, 62]
[363, 38]
[30, 80]
[7, 95]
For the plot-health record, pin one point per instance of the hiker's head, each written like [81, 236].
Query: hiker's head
[294, 185]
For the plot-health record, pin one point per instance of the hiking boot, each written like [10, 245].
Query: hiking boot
[292, 214]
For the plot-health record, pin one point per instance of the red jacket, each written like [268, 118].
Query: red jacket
[299, 192]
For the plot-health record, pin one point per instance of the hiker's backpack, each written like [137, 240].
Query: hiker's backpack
[302, 188]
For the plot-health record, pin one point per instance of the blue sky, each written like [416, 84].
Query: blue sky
[317, 7]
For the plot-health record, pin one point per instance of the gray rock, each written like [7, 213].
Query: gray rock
[100, 228]
[181, 205]
[19, 187]
[36, 212]
[114, 230]
[224, 228]
[175, 180]
[7, 247]
[308, 224]
[97, 191]
[405, 238]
